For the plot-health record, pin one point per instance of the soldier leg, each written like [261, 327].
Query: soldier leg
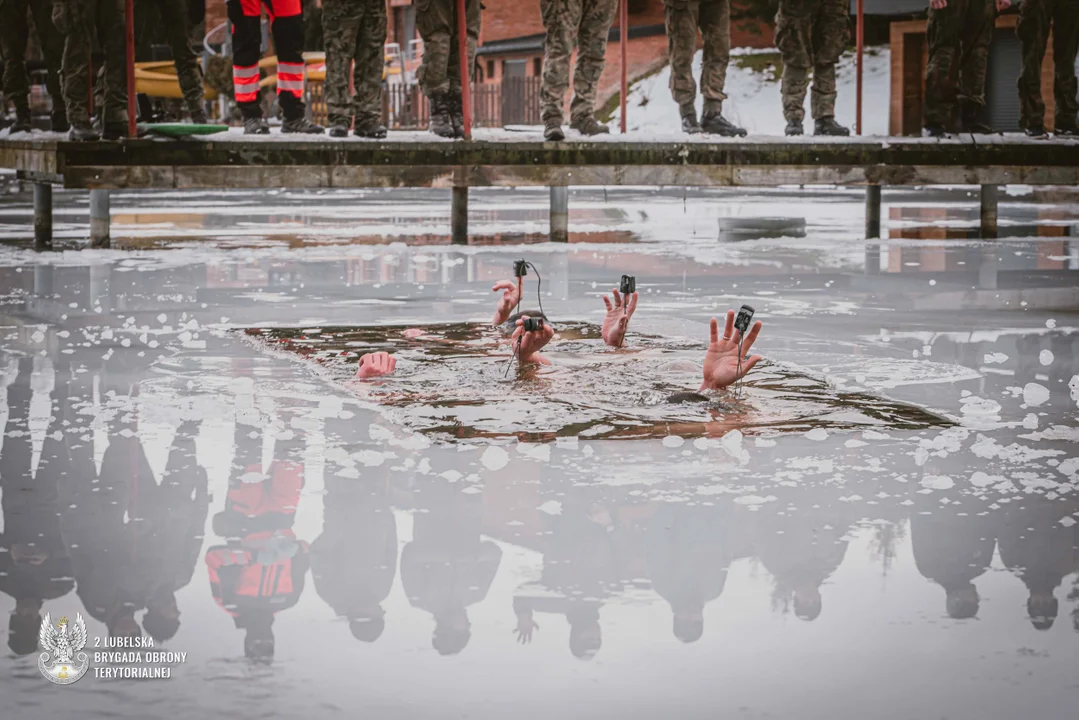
[1065, 49]
[341, 30]
[596, 19]
[830, 36]
[942, 33]
[681, 18]
[715, 21]
[473, 17]
[370, 56]
[1033, 32]
[110, 30]
[188, 70]
[286, 24]
[793, 27]
[77, 27]
[977, 35]
[52, 45]
[13, 35]
[245, 16]
[561, 18]
[433, 20]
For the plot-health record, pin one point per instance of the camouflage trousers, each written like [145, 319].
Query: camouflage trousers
[713, 18]
[171, 15]
[436, 21]
[354, 30]
[580, 24]
[80, 21]
[811, 35]
[14, 33]
[1035, 19]
[959, 37]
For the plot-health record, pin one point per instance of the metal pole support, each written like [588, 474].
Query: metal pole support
[872, 211]
[989, 211]
[559, 213]
[42, 216]
[100, 219]
[459, 216]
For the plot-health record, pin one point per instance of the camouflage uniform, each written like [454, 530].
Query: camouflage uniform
[81, 21]
[1035, 18]
[354, 29]
[811, 35]
[683, 18]
[168, 19]
[583, 24]
[14, 32]
[959, 33]
[436, 21]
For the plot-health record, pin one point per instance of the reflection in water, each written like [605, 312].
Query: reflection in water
[453, 382]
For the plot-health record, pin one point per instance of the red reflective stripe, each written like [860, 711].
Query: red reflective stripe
[285, 8]
[251, 8]
[246, 97]
[295, 77]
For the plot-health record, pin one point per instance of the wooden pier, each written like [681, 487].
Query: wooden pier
[500, 158]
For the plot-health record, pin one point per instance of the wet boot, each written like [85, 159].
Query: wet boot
[1037, 133]
[588, 125]
[301, 126]
[83, 132]
[828, 126]
[339, 127]
[552, 130]
[59, 121]
[441, 124]
[457, 114]
[114, 131]
[23, 120]
[370, 128]
[794, 128]
[690, 125]
[256, 126]
[975, 121]
[716, 124]
[198, 117]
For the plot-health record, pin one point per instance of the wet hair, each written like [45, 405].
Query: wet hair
[686, 397]
[367, 629]
[23, 632]
[688, 630]
[160, 627]
[450, 640]
[1043, 614]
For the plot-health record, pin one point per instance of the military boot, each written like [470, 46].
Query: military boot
[794, 127]
[370, 128]
[256, 126]
[975, 121]
[588, 125]
[1067, 131]
[23, 120]
[552, 130]
[114, 131]
[934, 130]
[441, 123]
[198, 117]
[828, 126]
[59, 120]
[689, 122]
[457, 114]
[339, 127]
[83, 132]
[716, 124]
[1038, 133]
[302, 126]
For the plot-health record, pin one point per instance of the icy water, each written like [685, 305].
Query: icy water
[884, 523]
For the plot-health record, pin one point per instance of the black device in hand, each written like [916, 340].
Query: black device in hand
[629, 285]
[533, 324]
[743, 319]
[520, 268]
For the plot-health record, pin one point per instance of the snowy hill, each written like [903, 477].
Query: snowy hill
[753, 90]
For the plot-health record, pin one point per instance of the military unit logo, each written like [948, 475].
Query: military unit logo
[63, 661]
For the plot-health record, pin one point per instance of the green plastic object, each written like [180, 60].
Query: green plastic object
[181, 129]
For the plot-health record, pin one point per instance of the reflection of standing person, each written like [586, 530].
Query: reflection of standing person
[14, 34]
[811, 35]
[439, 74]
[959, 34]
[683, 18]
[355, 32]
[34, 561]
[447, 567]
[582, 25]
[1036, 17]
[953, 547]
[1041, 551]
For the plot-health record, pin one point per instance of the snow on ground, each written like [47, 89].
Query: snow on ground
[753, 95]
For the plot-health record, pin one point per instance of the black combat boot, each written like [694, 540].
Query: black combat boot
[1038, 133]
[198, 117]
[1067, 131]
[256, 126]
[794, 127]
[370, 128]
[302, 126]
[441, 123]
[83, 132]
[716, 124]
[828, 126]
[457, 113]
[339, 127]
[975, 120]
[552, 130]
[23, 120]
[114, 131]
[689, 122]
[588, 125]
[934, 130]
[59, 120]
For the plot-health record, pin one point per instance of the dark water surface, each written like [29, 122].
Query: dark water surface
[884, 524]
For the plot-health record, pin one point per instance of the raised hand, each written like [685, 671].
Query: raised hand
[511, 295]
[375, 365]
[617, 319]
[721, 367]
[525, 627]
[531, 342]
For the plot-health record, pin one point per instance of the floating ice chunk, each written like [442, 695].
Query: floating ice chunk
[980, 479]
[38, 336]
[817, 434]
[1067, 521]
[567, 443]
[1050, 323]
[424, 466]
[1070, 467]
[979, 406]
[1035, 394]
[252, 477]
[350, 473]
[535, 451]
[732, 443]
[451, 475]
[415, 441]
[494, 458]
[162, 318]
[1030, 422]
[765, 442]
[993, 358]
[370, 458]
[1045, 357]
[551, 507]
[754, 499]
[852, 443]
[672, 441]
[937, 482]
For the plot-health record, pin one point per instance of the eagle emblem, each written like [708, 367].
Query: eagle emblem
[63, 661]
